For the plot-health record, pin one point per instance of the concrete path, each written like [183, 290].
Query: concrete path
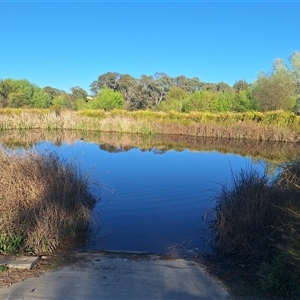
[100, 276]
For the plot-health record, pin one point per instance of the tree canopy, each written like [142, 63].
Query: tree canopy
[278, 89]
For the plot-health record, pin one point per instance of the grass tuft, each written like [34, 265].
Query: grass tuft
[44, 201]
[257, 222]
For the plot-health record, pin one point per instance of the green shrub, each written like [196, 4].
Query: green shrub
[10, 243]
[279, 278]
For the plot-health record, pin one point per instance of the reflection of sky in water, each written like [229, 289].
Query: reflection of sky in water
[153, 201]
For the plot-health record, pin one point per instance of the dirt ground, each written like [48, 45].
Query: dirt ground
[46, 264]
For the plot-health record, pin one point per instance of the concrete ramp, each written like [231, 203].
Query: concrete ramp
[102, 276]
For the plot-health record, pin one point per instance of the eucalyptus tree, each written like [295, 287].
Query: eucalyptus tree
[52, 92]
[128, 87]
[108, 80]
[241, 85]
[79, 93]
[159, 87]
[215, 87]
[187, 84]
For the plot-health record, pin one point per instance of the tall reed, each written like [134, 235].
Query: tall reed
[272, 126]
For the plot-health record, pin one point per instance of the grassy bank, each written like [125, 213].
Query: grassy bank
[44, 201]
[257, 225]
[271, 126]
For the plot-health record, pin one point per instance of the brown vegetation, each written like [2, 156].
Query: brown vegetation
[43, 201]
[270, 126]
[257, 222]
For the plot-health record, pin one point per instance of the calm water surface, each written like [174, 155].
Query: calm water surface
[153, 202]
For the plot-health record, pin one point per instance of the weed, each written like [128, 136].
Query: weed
[3, 268]
[10, 243]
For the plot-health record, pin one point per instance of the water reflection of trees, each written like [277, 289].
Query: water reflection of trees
[270, 151]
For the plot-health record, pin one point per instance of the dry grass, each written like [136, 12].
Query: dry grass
[43, 199]
[257, 222]
[271, 126]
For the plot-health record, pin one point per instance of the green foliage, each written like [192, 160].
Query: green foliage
[279, 278]
[10, 243]
[244, 101]
[198, 101]
[3, 268]
[297, 106]
[275, 92]
[107, 100]
[40, 98]
[81, 104]
[174, 100]
[17, 99]
[79, 93]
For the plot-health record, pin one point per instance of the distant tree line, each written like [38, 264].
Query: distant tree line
[278, 89]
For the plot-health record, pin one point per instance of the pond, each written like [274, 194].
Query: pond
[153, 199]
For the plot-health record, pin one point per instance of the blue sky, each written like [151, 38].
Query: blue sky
[71, 43]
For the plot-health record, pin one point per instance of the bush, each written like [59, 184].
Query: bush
[108, 100]
[46, 201]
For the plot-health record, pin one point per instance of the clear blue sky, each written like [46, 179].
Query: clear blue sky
[71, 43]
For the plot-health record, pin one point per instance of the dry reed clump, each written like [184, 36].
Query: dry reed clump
[257, 221]
[43, 199]
[244, 216]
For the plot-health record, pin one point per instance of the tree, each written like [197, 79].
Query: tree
[240, 85]
[159, 87]
[79, 93]
[174, 100]
[107, 99]
[40, 98]
[189, 85]
[65, 100]
[295, 70]
[4, 92]
[52, 92]
[215, 87]
[128, 86]
[276, 91]
[200, 101]
[244, 101]
[17, 99]
[106, 81]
